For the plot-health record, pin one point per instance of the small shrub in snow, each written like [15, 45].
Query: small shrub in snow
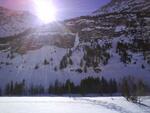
[143, 67]
[46, 62]
[55, 68]
[36, 67]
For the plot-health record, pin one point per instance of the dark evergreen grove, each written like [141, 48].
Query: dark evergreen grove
[133, 89]
[127, 87]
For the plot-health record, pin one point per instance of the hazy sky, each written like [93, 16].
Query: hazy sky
[66, 8]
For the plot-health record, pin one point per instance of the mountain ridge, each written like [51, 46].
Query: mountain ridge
[120, 6]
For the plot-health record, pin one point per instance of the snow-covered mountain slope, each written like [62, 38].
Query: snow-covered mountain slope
[15, 22]
[44, 64]
[117, 6]
[111, 45]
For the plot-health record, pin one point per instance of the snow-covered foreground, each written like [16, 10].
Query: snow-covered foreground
[72, 105]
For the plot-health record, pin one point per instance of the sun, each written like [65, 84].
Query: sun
[45, 10]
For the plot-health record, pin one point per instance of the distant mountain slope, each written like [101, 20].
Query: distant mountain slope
[117, 6]
[15, 22]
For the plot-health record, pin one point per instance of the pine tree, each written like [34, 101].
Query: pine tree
[68, 86]
[7, 90]
[0, 92]
[141, 87]
[104, 84]
[12, 88]
[125, 89]
[112, 86]
[58, 88]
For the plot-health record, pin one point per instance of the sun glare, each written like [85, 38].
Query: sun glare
[45, 10]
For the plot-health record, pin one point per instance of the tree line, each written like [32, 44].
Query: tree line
[128, 87]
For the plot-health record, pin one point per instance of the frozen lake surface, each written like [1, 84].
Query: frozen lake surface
[72, 105]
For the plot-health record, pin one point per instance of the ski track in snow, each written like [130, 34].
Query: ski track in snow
[113, 106]
[110, 106]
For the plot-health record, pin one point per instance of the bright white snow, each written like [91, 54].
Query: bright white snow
[72, 105]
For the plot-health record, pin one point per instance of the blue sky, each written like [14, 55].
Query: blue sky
[66, 8]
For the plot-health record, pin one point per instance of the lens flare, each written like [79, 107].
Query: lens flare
[45, 10]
